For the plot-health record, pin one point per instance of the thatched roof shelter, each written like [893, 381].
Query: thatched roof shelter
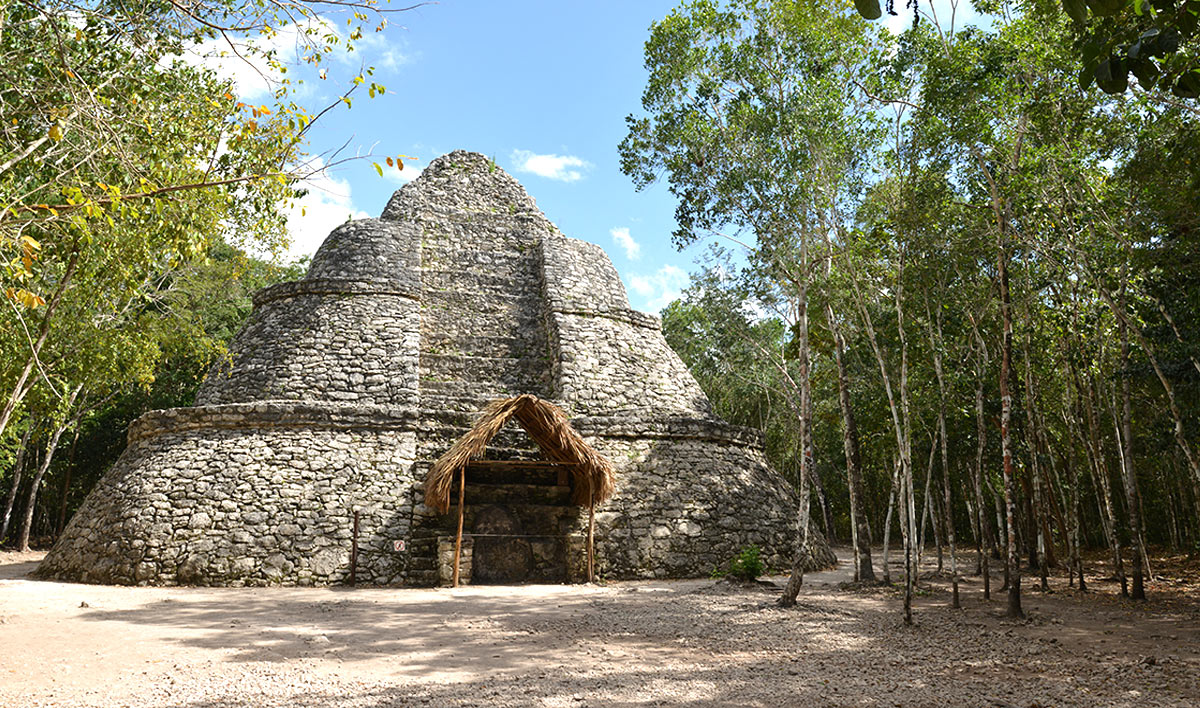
[592, 474]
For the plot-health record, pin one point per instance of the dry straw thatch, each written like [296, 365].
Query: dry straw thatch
[593, 476]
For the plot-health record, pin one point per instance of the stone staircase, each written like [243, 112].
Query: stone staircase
[483, 331]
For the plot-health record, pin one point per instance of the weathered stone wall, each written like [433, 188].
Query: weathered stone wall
[248, 495]
[347, 332]
[353, 344]
[608, 357]
[692, 494]
[345, 386]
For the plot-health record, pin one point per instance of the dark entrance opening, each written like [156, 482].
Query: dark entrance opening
[521, 520]
[502, 554]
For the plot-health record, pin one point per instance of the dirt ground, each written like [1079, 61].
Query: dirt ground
[695, 642]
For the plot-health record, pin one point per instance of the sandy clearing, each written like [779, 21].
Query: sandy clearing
[630, 643]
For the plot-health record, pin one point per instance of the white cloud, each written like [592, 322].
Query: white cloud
[557, 167]
[633, 249]
[327, 205]
[378, 50]
[253, 79]
[661, 288]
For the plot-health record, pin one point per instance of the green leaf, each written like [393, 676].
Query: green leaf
[1086, 76]
[378, 168]
[1112, 76]
[868, 8]
[1188, 85]
[1145, 70]
[1077, 9]
[1104, 8]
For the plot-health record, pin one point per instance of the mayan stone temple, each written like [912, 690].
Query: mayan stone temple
[345, 387]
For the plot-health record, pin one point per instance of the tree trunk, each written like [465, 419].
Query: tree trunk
[906, 450]
[1010, 493]
[788, 599]
[948, 507]
[1038, 503]
[928, 511]
[66, 488]
[1138, 591]
[985, 536]
[18, 469]
[36, 482]
[864, 571]
[1103, 486]
[887, 524]
[1077, 522]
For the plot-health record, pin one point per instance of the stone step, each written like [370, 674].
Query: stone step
[468, 395]
[517, 494]
[439, 341]
[529, 370]
[513, 475]
[539, 520]
[422, 578]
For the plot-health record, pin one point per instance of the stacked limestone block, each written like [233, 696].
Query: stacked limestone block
[345, 385]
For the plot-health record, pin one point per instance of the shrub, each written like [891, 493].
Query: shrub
[747, 564]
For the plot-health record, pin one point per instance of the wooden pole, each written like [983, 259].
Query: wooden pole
[462, 493]
[591, 568]
[354, 551]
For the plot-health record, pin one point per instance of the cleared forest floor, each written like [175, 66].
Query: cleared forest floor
[695, 642]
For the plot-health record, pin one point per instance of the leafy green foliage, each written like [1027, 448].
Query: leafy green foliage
[746, 566]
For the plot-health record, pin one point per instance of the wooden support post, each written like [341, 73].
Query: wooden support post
[354, 551]
[462, 494]
[591, 551]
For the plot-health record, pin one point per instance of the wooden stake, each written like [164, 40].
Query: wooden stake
[591, 551]
[354, 551]
[462, 493]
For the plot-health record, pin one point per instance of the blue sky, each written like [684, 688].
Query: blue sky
[543, 87]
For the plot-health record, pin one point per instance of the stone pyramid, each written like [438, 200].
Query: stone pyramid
[345, 385]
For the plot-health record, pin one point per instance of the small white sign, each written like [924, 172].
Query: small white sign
[399, 546]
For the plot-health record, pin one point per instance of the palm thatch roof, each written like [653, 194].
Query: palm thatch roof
[593, 476]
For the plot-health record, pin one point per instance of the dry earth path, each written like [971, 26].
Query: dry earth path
[692, 642]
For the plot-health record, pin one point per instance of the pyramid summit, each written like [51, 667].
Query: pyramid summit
[344, 386]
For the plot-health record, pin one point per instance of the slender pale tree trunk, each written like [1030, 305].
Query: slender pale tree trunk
[860, 527]
[1103, 486]
[887, 523]
[948, 506]
[66, 487]
[1138, 591]
[1077, 517]
[906, 448]
[927, 509]
[900, 426]
[985, 535]
[907, 532]
[788, 599]
[1038, 503]
[36, 483]
[18, 469]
